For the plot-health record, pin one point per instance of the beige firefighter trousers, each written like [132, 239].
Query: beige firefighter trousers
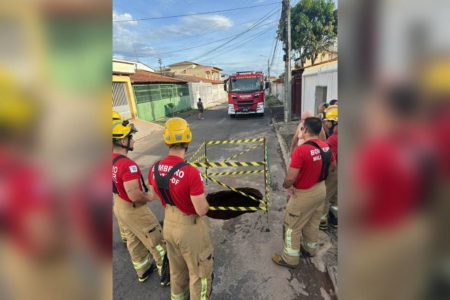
[331, 184]
[302, 219]
[190, 254]
[142, 232]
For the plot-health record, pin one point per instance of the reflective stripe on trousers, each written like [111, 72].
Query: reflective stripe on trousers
[310, 245]
[204, 288]
[161, 251]
[140, 265]
[288, 247]
[180, 296]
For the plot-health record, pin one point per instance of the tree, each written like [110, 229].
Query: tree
[312, 28]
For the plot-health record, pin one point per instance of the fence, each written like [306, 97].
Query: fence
[155, 101]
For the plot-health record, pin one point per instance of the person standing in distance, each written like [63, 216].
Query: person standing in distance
[200, 109]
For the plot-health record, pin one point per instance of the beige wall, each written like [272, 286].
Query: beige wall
[123, 67]
[196, 71]
[324, 57]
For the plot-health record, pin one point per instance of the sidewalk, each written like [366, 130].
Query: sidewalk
[185, 114]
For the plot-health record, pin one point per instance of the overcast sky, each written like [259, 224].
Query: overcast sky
[234, 40]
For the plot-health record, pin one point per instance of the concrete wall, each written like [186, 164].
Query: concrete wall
[211, 94]
[278, 91]
[322, 75]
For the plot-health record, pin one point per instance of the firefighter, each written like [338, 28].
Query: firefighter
[330, 213]
[305, 178]
[330, 120]
[180, 188]
[117, 117]
[298, 139]
[139, 224]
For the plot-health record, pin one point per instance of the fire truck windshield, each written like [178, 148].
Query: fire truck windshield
[250, 84]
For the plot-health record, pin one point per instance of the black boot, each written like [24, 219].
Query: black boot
[165, 272]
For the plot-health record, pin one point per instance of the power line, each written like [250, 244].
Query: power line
[233, 47]
[195, 14]
[264, 18]
[201, 45]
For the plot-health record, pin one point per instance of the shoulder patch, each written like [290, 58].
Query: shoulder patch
[133, 169]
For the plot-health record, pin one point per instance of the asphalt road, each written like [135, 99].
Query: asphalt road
[243, 246]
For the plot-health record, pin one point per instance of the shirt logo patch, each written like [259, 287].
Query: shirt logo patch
[133, 169]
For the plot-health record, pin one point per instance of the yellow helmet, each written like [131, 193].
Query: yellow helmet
[116, 116]
[121, 130]
[17, 109]
[331, 113]
[436, 77]
[176, 131]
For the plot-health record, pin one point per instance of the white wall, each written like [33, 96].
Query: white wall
[324, 76]
[278, 91]
[211, 94]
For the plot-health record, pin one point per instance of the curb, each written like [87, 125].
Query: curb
[283, 147]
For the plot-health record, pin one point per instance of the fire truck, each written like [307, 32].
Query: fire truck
[245, 93]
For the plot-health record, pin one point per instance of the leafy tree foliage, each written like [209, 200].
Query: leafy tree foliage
[313, 29]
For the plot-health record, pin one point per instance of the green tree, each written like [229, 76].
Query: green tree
[312, 28]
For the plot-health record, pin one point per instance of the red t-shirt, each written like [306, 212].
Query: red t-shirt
[333, 142]
[308, 160]
[186, 182]
[122, 171]
[388, 173]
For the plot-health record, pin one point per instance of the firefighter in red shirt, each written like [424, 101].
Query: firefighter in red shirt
[330, 213]
[141, 227]
[307, 171]
[180, 188]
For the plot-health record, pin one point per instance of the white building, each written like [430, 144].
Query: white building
[319, 84]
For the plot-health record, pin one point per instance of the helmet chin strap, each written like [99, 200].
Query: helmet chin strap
[128, 144]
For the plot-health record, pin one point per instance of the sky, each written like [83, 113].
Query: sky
[237, 40]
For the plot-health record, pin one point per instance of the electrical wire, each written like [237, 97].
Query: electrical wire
[264, 18]
[195, 14]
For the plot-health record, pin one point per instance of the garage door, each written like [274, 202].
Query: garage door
[120, 100]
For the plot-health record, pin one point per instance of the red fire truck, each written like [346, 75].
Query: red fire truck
[245, 93]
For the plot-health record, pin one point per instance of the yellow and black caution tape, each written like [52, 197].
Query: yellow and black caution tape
[212, 164]
[199, 159]
[241, 153]
[218, 142]
[234, 190]
[197, 152]
[236, 173]
[238, 208]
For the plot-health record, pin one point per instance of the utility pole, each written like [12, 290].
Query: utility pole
[287, 75]
[268, 75]
[160, 66]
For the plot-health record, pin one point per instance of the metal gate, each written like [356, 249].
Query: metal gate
[120, 100]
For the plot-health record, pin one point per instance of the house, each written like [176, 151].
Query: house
[319, 84]
[122, 91]
[191, 68]
[129, 67]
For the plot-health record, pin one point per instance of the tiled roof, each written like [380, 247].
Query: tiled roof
[150, 77]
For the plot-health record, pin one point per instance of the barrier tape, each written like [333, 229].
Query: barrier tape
[218, 142]
[242, 153]
[235, 190]
[196, 152]
[238, 208]
[236, 173]
[211, 164]
[198, 159]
